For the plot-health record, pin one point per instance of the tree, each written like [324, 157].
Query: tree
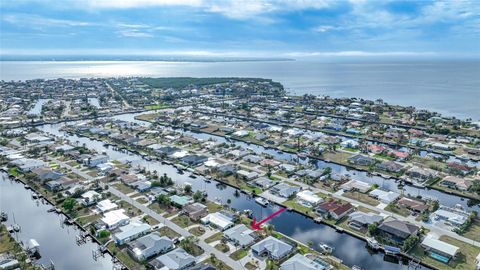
[163, 199]
[410, 242]
[187, 189]
[69, 204]
[197, 196]
[372, 229]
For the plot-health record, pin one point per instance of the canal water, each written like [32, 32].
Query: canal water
[37, 108]
[351, 250]
[56, 240]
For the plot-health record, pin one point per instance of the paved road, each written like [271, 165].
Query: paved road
[206, 247]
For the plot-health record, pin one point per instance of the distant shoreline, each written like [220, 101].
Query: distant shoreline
[120, 59]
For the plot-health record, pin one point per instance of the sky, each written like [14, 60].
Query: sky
[241, 28]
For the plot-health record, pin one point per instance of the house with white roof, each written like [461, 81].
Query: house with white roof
[131, 231]
[241, 235]
[218, 220]
[384, 196]
[272, 247]
[308, 198]
[439, 250]
[177, 259]
[299, 261]
[115, 218]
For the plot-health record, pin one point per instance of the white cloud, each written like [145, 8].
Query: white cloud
[38, 21]
[134, 33]
[125, 4]
[358, 54]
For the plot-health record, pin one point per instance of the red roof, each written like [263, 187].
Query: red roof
[336, 207]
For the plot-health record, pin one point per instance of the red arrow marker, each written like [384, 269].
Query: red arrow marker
[257, 226]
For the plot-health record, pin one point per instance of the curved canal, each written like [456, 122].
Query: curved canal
[56, 240]
[351, 250]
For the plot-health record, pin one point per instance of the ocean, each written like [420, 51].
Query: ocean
[449, 87]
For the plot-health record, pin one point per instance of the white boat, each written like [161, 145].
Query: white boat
[32, 246]
[261, 201]
[326, 248]
[372, 243]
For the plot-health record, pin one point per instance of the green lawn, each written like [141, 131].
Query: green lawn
[398, 210]
[473, 232]
[213, 207]
[124, 257]
[197, 231]
[88, 219]
[123, 188]
[218, 264]
[215, 237]
[182, 221]
[238, 254]
[13, 171]
[361, 198]
[294, 205]
[166, 231]
[222, 247]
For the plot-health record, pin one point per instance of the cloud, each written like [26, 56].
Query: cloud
[134, 33]
[126, 4]
[39, 21]
[358, 54]
[324, 28]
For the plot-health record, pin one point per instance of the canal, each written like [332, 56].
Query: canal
[56, 240]
[351, 250]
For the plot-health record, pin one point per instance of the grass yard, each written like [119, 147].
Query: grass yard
[217, 263]
[473, 231]
[222, 247]
[182, 221]
[88, 219]
[166, 231]
[213, 207]
[124, 257]
[239, 254]
[215, 237]
[398, 210]
[361, 198]
[197, 231]
[123, 188]
[294, 205]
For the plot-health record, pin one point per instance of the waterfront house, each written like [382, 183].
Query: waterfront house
[390, 166]
[195, 211]
[459, 168]
[454, 182]
[413, 205]
[384, 196]
[226, 169]
[90, 197]
[27, 165]
[421, 173]
[334, 209]
[284, 190]
[439, 250]
[360, 220]
[194, 160]
[130, 231]
[355, 185]
[361, 160]
[308, 198]
[114, 219]
[46, 174]
[272, 163]
[397, 230]
[93, 161]
[241, 235]
[263, 183]
[246, 175]
[150, 245]
[273, 248]
[177, 259]
[301, 262]
[252, 158]
[218, 220]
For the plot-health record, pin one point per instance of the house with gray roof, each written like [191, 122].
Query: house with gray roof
[284, 190]
[150, 245]
[300, 262]
[360, 220]
[177, 259]
[272, 247]
[397, 230]
[241, 235]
